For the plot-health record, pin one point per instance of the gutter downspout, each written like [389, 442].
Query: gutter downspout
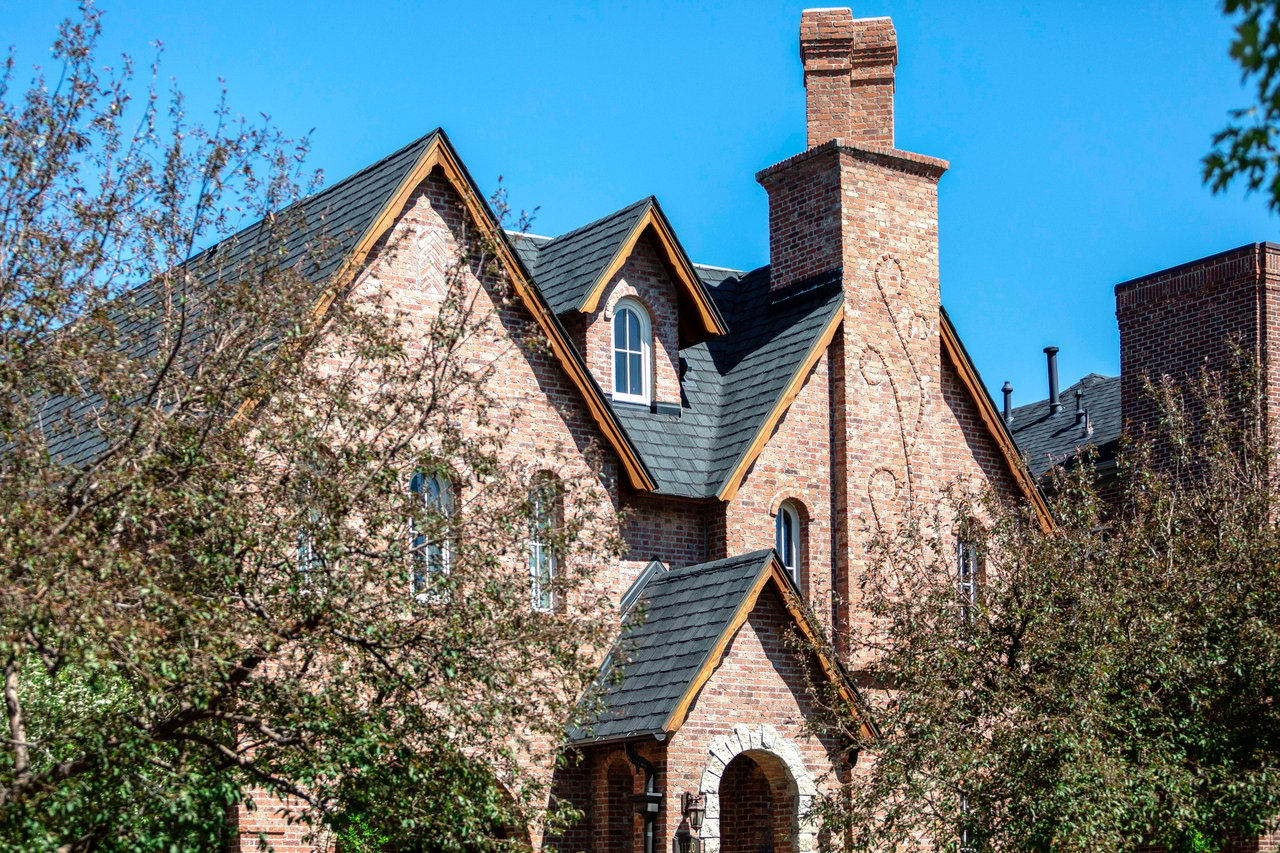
[651, 800]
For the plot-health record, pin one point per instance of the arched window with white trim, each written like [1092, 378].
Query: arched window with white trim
[787, 538]
[632, 353]
[429, 554]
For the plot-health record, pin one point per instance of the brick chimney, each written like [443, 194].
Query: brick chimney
[848, 77]
[1186, 318]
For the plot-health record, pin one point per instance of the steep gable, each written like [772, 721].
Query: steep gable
[677, 637]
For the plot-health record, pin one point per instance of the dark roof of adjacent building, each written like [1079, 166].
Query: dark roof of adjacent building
[322, 230]
[1047, 439]
[667, 640]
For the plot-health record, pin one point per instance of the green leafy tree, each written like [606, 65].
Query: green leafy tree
[1246, 149]
[1115, 681]
[217, 588]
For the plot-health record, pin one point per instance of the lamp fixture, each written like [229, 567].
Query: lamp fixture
[694, 809]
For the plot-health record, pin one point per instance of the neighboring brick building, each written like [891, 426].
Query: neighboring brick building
[1173, 323]
[757, 427]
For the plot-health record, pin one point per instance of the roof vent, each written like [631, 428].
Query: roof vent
[1007, 390]
[1054, 405]
[1080, 409]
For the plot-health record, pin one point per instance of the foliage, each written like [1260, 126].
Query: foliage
[1246, 148]
[1117, 680]
[206, 594]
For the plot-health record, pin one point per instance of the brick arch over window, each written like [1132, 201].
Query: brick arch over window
[769, 749]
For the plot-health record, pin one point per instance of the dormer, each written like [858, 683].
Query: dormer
[626, 290]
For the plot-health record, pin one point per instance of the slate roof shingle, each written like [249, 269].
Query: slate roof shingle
[324, 228]
[730, 383]
[1048, 440]
[565, 267]
[683, 613]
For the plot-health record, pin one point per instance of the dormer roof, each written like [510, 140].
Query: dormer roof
[572, 270]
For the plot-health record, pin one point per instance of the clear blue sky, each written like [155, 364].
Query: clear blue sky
[1074, 130]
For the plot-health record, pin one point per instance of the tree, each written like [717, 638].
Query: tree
[1246, 149]
[260, 538]
[1114, 681]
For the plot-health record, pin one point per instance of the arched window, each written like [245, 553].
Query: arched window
[787, 539]
[632, 347]
[429, 554]
[544, 523]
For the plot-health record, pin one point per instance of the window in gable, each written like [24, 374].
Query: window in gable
[632, 353]
[429, 555]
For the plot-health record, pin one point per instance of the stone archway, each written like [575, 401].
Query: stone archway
[761, 742]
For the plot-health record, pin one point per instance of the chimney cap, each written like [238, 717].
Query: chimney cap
[1051, 350]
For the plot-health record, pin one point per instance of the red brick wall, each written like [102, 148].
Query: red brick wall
[644, 278]
[795, 465]
[551, 425]
[804, 219]
[675, 532]
[1175, 322]
[760, 681]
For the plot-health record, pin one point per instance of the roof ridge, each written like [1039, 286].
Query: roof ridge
[615, 214]
[368, 168]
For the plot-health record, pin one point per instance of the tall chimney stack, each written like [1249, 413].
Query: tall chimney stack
[848, 77]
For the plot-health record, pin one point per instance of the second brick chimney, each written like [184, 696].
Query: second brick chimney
[848, 77]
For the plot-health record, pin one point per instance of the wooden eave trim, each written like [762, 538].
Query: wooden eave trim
[681, 711]
[684, 273]
[438, 154]
[830, 667]
[771, 574]
[994, 423]
[637, 475]
[729, 490]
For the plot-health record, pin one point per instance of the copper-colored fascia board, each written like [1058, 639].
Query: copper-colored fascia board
[731, 484]
[685, 275]
[993, 422]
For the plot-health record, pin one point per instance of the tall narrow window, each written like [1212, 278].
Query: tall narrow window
[787, 539]
[632, 344]
[967, 577]
[429, 554]
[544, 521]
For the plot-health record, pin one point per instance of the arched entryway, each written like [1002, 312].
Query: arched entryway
[757, 801]
[757, 792]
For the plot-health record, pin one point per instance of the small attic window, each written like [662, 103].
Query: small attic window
[632, 353]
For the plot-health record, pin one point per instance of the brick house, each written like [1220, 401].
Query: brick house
[757, 427]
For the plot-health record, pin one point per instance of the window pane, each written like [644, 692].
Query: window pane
[635, 377]
[620, 330]
[633, 331]
[620, 372]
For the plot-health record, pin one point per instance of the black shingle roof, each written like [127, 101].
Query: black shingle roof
[323, 230]
[566, 266]
[682, 615]
[1047, 440]
[730, 383]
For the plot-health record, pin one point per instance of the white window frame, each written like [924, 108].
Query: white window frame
[421, 551]
[644, 351]
[967, 569]
[542, 558]
[788, 520]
